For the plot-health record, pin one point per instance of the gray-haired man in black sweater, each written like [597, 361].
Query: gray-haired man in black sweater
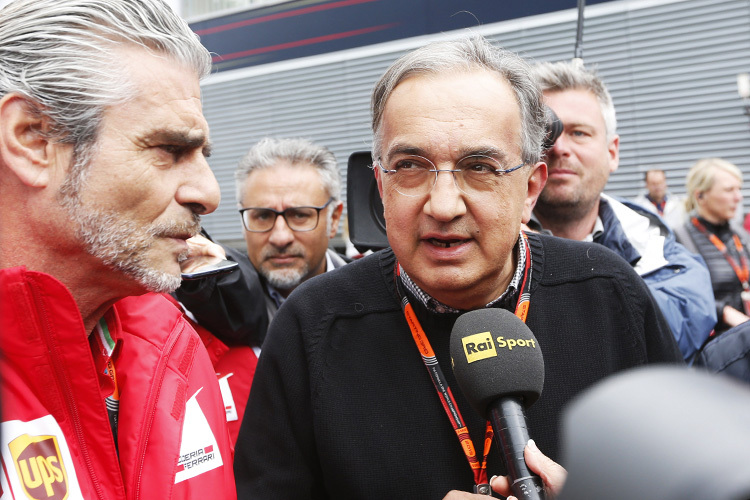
[342, 405]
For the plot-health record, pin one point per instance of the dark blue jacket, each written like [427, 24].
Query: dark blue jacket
[681, 284]
[728, 353]
[678, 279]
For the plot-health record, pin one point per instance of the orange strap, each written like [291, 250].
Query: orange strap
[441, 385]
[742, 270]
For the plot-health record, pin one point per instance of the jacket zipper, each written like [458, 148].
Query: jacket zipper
[152, 411]
[57, 366]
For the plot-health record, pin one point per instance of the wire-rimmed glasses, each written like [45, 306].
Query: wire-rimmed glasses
[300, 219]
[414, 175]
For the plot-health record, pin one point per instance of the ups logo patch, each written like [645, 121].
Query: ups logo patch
[40, 467]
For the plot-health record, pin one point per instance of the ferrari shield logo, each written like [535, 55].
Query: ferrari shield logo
[40, 467]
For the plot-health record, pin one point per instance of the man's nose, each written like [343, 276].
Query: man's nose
[281, 235]
[200, 189]
[445, 201]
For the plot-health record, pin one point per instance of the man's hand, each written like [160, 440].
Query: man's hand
[553, 476]
[203, 252]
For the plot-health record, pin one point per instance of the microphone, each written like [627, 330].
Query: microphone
[499, 367]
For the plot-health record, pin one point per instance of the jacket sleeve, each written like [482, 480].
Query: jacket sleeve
[685, 296]
[233, 306]
[728, 353]
[275, 452]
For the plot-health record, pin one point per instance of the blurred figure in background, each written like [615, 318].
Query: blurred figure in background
[659, 200]
[713, 188]
[728, 353]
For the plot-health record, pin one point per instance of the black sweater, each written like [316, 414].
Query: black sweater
[343, 407]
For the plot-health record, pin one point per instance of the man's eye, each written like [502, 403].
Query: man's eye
[261, 215]
[478, 168]
[409, 165]
[403, 165]
[176, 151]
[300, 214]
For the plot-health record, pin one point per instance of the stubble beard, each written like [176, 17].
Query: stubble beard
[551, 206]
[121, 244]
[285, 279]
[288, 278]
[563, 205]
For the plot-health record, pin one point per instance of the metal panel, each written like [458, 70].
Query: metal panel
[671, 67]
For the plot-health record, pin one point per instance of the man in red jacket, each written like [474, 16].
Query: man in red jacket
[107, 393]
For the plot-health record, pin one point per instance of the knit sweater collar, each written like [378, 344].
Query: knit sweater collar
[431, 320]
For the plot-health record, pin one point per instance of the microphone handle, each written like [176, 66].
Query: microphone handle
[508, 421]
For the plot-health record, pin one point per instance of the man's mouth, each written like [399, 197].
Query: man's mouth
[445, 243]
[179, 230]
[560, 171]
[282, 259]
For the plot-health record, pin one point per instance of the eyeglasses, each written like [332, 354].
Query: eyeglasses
[262, 220]
[415, 175]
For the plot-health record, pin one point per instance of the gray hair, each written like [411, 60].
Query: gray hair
[297, 151]
[62, 56]
[467, 54]
[702, 176]
[559, 76]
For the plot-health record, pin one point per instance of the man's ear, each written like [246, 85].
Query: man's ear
[536, 181]
[335, 218]
[378, 180]
[613, 149]
[24, 146]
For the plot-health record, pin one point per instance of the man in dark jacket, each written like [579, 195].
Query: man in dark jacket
[289, 194]
[288, 191]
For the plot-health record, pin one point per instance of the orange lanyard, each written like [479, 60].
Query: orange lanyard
[441, 385]
[742, 271]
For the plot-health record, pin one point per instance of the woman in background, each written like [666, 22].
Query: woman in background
[713, 197]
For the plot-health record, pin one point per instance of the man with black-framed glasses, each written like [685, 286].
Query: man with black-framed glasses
[288, 193]
[301, 180]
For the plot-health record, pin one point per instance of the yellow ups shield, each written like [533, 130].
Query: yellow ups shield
[40, 467]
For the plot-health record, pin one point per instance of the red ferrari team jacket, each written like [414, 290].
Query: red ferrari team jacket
[144, 360]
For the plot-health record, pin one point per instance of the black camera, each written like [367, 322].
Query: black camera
[554, 129]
